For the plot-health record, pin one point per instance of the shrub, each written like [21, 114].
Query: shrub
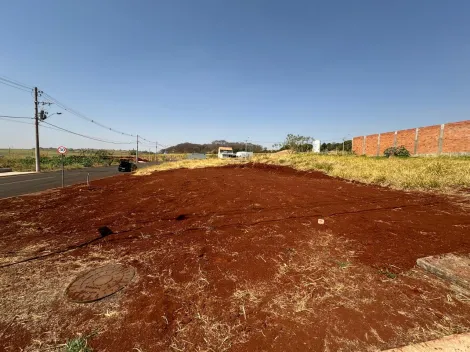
[87, 162]
[397, 151]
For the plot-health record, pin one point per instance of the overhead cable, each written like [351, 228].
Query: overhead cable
[85, 136]
[19, 87]
[82, 116]
[16, 121]
[17, 117]
[11, 81]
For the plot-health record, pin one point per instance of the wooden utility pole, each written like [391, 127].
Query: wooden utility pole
[156, 150]
[36, 122]
[137, 151]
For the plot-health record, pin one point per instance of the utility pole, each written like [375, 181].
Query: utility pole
[137, 151]
[156, 150]
[36, 118]
[343, 145]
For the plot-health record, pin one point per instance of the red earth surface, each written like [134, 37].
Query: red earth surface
[232, 258]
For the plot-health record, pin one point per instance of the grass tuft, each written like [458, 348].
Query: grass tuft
[343, 265]
[78, 344]
[388, 274]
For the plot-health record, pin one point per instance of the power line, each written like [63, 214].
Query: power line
[12, 81]
[57, 128]
[9, 120]
[151, 142]
[14, 86]
[82, 116]
[20, 86]
[17, 117]
[84, 136]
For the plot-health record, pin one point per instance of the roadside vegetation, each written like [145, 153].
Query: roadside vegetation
[187, 164]
[54, 162]
[443, 173]
[422, 173]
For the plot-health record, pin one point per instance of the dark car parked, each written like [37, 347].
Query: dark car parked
[127, 166]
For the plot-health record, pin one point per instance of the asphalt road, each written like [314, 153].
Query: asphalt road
[11, 186]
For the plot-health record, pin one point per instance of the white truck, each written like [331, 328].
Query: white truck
[244, 154]
[227, 152]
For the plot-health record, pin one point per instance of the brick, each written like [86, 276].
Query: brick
[428, 139]
[456, 140]
[371, 144]
[456, 137]
[386, 141]
[407, 139]
[357, 145]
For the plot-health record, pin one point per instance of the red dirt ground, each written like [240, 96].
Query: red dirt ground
[232, 258]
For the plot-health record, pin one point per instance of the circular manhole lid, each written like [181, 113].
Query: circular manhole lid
[99, 283]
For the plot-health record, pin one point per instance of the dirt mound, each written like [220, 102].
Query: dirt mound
[231, 258]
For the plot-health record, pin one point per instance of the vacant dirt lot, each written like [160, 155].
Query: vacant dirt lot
[232, 258]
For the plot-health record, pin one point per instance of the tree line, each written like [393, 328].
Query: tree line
[213, 147]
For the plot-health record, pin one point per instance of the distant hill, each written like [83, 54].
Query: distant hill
[212, 148]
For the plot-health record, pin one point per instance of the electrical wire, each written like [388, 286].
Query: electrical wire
[17, 117]
[26, 123]
[82, 116]
[151, 142]
[20, 86]
[12, 81]
[14, 86]
[85, 136]
[10, 120]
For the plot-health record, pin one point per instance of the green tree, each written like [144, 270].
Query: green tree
[296, 143]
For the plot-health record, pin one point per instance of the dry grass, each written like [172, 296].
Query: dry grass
[29, 292]
[315, 284]
[186, 164]
[421, 173]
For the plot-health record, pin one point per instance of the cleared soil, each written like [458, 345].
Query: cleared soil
[232, 259]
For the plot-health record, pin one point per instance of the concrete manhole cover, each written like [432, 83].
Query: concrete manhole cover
[99, 283]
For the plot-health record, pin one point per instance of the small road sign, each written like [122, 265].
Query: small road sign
[62, 150]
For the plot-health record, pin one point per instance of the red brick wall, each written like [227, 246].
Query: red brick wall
[357, 145]
[386, 141]
[371, 144]
[456, 137]
[428, 139]
[407, 138]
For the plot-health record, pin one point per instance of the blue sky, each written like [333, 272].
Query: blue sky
[196, 71]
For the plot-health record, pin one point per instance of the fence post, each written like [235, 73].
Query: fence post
[378, 145]
[364, 145]
[440, 141]
[416, 141]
